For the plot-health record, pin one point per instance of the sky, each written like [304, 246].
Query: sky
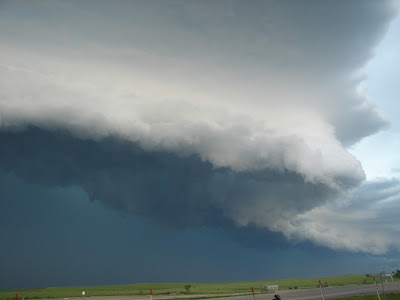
[197, 141]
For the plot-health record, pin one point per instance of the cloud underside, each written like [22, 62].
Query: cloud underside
[184, 192]
[194, 114]
[176, 192]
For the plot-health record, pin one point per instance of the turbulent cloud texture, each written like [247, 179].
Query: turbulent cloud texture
[364, 221]
[217, 111]
[173, 191]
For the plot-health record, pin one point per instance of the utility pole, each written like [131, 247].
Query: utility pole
[322, 293]
[377, 291]
[383, 287]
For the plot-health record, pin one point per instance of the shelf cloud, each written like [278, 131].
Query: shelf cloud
[194, 114]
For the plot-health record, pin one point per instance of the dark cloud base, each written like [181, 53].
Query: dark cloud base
[62, 239]
[193, 234]
[173, 192]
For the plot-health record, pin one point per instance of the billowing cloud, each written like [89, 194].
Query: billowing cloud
[221, 111]
[173, 191]
[365, 221]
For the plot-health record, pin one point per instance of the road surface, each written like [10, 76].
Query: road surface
[329, 292]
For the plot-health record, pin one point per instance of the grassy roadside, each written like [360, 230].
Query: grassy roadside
[179, 288]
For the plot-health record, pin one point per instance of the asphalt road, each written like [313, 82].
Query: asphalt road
[329, 292]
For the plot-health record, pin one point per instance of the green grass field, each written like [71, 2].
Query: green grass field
[179, 288]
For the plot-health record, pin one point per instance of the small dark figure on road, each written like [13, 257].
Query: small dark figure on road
[277, 297]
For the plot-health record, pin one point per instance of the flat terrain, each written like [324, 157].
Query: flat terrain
[329, 292]
[339, 286]
[309, 294]
[178, 289]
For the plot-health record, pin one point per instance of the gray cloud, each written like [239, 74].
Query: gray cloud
[180, 192]
[364, 221]
[226, 111]
[311, 60]
[174, 192]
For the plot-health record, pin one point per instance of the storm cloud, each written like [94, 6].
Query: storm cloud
[191, 113]
[174, 192]
[365, 220]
